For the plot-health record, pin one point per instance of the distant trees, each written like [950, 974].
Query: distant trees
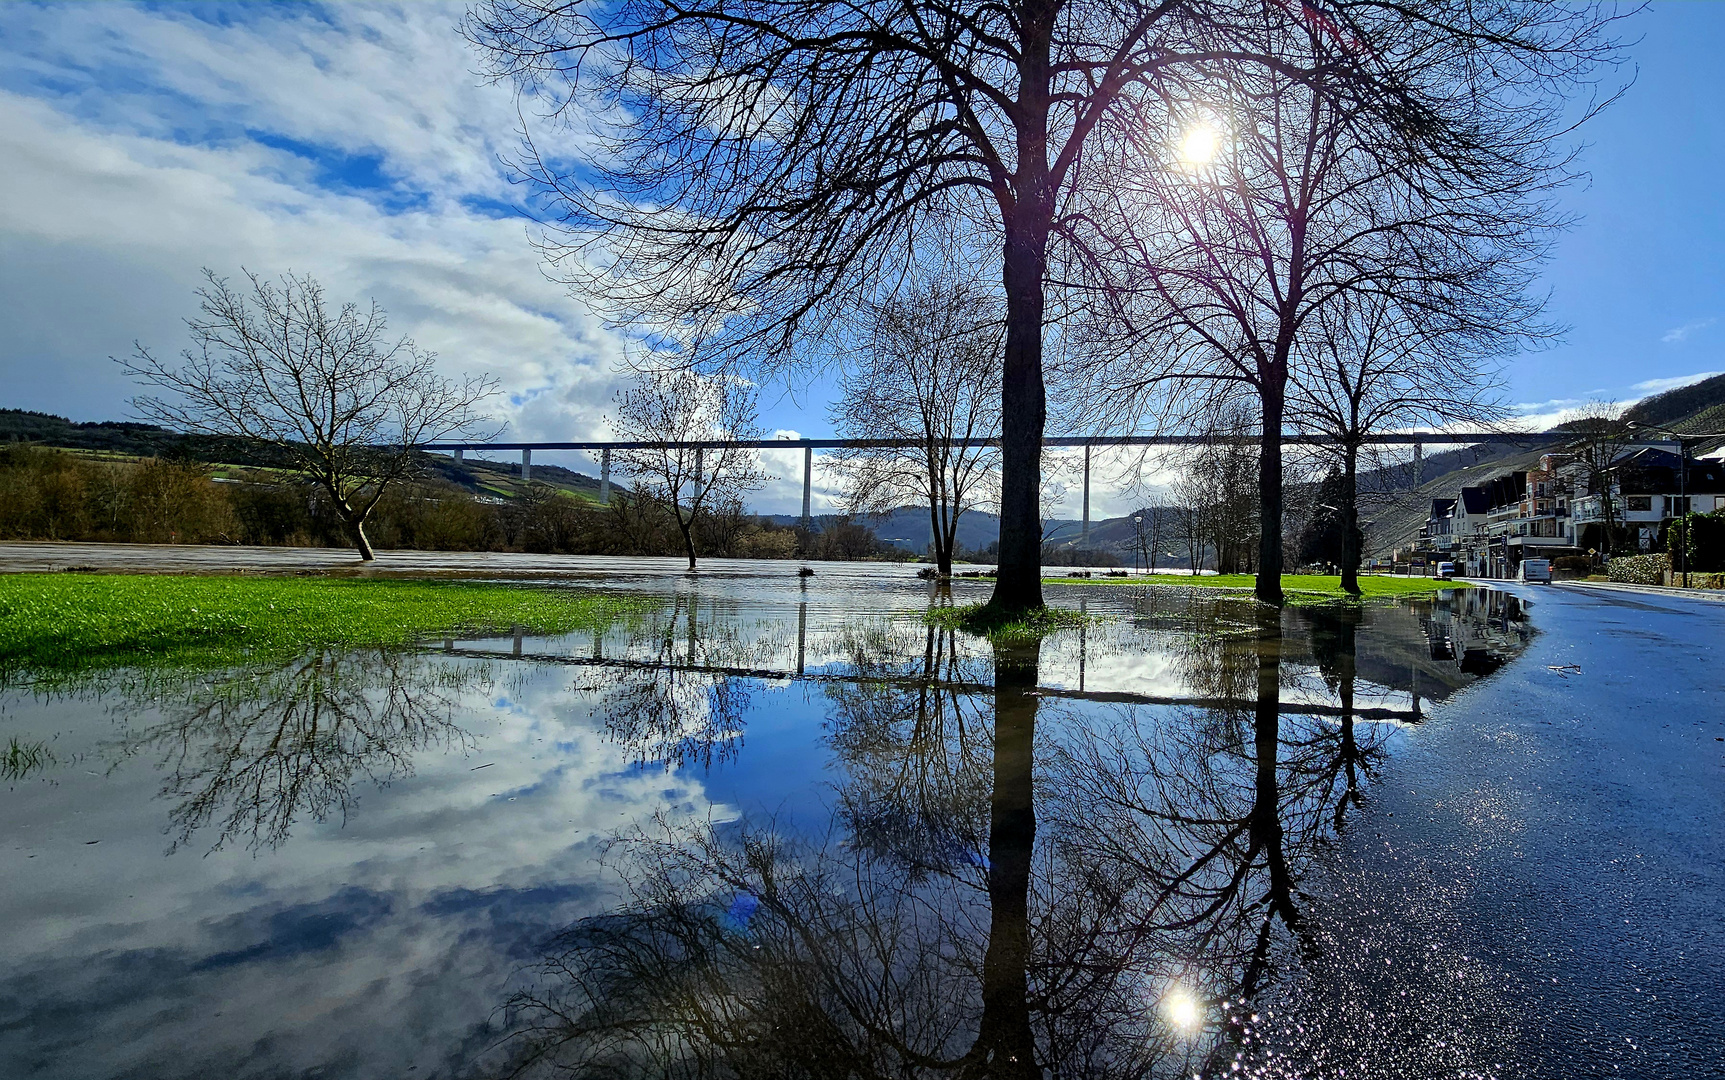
[1215, 502]
[687, 407]
[925, 368]
[277, 366]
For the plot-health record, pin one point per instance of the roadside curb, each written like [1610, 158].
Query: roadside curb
[1715, 595]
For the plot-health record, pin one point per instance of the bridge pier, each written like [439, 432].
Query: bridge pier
[802, 635]
[526, 466]
[605, 477]
[808, 481]
[1419, 463]
[459, 451]
[1085, 535]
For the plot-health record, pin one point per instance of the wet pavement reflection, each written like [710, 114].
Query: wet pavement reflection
[768, 829]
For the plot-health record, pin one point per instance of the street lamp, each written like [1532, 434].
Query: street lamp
[1682, 480]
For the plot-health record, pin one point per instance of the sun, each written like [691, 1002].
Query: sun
[1182, 1009]
[1199, 145]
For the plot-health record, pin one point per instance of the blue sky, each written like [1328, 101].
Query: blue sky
[139, 143]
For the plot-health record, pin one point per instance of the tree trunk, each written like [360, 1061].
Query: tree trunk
[362, 542]
[1023, 414]
[355, 521]
[1350, 520]
[942, 542]
[1269, 584]
[688, 532]
[1027, 215]
[1610, 542]
[1005, 1046]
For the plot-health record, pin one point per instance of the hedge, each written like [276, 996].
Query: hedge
[1639, 569]
[1706, 536]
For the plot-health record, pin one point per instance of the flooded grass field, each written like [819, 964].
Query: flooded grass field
[782, 827]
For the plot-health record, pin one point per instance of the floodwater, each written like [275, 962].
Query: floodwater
[782, 827]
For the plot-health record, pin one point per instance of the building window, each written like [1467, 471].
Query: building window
[1640, 504]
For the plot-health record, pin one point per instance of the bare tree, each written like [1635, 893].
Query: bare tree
[757, 163]
[1372, 365]
[1273, 194]
[925, 369]
[1215, 498]
[1601, 433]
[666, 407]
[277, 366]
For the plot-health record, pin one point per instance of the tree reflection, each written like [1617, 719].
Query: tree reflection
[1009, 886]
[914, 745]
[669, 706]
[257, 750]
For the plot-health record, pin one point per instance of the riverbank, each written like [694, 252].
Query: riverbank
[1296, 587]
[67, 622]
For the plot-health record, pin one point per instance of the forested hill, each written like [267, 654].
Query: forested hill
[130, 439]
[1697, 407]
[20, 425]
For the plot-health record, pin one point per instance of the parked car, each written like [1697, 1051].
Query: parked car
[1446, 570]
[1536, 570]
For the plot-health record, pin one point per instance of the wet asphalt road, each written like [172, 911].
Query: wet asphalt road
[1537, 885]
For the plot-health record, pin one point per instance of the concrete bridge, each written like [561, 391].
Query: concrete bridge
[1418, 440]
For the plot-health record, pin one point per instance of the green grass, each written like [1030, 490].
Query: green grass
[984, 621]
[1296, 588]
[75, 622]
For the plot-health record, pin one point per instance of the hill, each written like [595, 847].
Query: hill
[908, 527]
[496, 479]
[1398, 511]
[1697, 407]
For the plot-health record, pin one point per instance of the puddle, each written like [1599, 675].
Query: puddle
[775, 828]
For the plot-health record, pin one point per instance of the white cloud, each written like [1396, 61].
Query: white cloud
[351, 143]
[1682, 333]
[1659, 386]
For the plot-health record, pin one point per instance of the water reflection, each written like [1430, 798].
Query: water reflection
[1015, 879]
[1083, 856]
[250, 753]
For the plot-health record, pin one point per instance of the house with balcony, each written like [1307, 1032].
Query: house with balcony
[1548, 511]
[1646, 492]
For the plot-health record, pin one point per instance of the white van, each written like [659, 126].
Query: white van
[1536, 570]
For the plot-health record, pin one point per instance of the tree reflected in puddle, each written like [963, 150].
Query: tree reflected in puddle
[1015, 879]
[248, 754]
[1095, 854]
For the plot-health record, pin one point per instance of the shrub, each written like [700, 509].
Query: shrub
[1639, 569]
[273, 513]
[1706, 541]
[1579, 563]
[169, 502]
